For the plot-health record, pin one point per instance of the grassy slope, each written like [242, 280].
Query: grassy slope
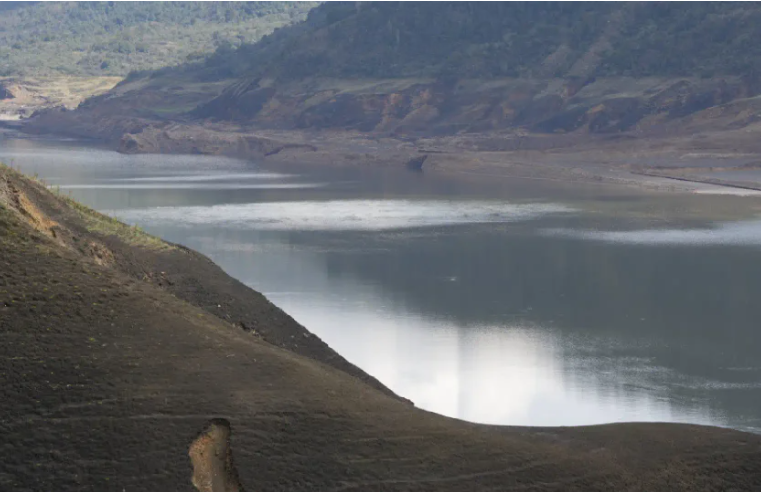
[110, 369]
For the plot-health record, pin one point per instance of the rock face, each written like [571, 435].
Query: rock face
[416, 163]
[5, 92]
[559, 108]
[432, 107]
[212, 458]
[184, 139]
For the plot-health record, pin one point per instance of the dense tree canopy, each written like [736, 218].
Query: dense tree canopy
[497, 39]
[114, 38]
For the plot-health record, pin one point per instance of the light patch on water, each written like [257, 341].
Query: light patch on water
[191, 186]
[724, 190]
[208, 177]
[746, 233]
[341, 215]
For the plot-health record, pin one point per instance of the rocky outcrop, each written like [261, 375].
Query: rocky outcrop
[5, 92]
[522, 113]
[187, 139]
[416, 163]
[432, 107]
[212, 459]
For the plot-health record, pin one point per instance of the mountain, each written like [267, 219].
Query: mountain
[456, 66]
[516, 39]
[564, 71]
[114, 38]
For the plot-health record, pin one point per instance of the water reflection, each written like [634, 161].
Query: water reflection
[190, 186]
[552, 307]
[344, 215]
[501, 367]
[746, 233]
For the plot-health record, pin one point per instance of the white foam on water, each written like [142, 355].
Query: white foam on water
[342, 215]
[746, 233]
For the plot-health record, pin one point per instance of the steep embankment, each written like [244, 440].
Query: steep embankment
[118, 348]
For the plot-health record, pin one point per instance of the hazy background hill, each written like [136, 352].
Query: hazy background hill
[114, 38]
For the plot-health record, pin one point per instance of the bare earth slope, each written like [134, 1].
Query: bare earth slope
[111, 368]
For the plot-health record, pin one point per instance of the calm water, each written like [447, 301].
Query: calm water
[525, 302]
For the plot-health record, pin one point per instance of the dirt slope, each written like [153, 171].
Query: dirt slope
[110, 369]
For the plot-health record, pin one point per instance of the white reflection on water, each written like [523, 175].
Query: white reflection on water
[192, 186]
[342, 215]
[745, 233]
[504, 368]
[210, 177]
[513, 372]
[506, 374]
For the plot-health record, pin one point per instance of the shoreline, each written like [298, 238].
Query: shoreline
[623, 166]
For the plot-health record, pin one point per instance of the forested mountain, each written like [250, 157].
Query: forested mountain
[508, 39]
[452, 67]
[114, 38]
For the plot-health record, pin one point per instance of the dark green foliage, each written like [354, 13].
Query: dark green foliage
[497, 39]
[664, 38]
[114, 38]
[397, 39]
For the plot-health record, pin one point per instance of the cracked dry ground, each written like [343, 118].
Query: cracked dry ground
[107, 376]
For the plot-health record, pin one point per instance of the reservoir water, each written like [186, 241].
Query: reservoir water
[512, 302]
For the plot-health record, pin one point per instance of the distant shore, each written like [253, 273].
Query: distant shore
[660, 165]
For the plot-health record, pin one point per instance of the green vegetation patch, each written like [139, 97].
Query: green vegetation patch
[95, 221]
[108, 226]
[504, 39]
[114, 38]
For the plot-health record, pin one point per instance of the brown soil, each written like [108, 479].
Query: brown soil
[212, 459]
[21, 97]
[111, 369]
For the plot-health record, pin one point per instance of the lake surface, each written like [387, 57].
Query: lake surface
[517, 302]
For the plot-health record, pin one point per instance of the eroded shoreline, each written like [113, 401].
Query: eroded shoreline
[669, 165]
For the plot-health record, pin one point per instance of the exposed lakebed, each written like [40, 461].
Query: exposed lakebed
[518, 302]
